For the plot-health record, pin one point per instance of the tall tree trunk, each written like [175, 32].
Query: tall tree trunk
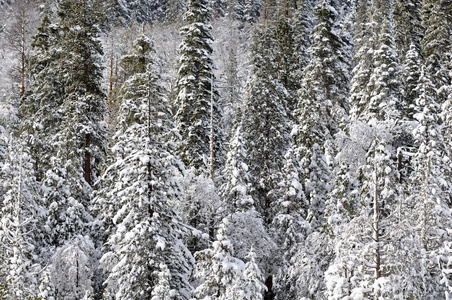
[376, 229]
[87, 158]
[22, 54]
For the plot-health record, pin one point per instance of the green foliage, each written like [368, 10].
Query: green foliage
[195, 91]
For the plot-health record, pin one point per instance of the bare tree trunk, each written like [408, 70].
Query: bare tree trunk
[87, 158]
[376, 229]
[22, 52]
[211, 129]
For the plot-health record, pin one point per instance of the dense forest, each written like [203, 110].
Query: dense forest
[212, 149]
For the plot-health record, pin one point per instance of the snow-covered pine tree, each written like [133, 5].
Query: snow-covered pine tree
[137, 58]
[368, 250]
[73, 148]
[430, 195]
[410, 73]
[287, 62]
[264, 121]
[235, 190]
[84, 102]
[20, 224]
[252, 10]
[384, 89]
[322, 108]
[40, 108]
[72, 269]
[289, 226]
[142, 176]
[376, 91]
[195, 91]
[302, 23]
[437, 20]
[134, 62]
[221, 273]
[363, 64]
[408, 30]
[231, 99]
[254, 286]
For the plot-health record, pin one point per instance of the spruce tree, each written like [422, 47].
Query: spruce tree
[84, 99]
[322, 108]
[377, 73]
[410, 72]
[264, 120]
[437, 22]
[195, 91]
[142, 174]
[384, 89]
[221, 273]
[408, 30]
[40, 109]
[431, 195]
[20, 224]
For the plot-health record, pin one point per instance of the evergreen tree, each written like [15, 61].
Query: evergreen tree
[322, 108]
[72, 269]
[287, 62]
[384, 89]
[437, 21]
[142, 174]
[325, 76]
[195, 91]
[84, 100]
[377, 74]
[289, 224]
[221, 272]
[408, 30]
[302, 24]
[252, 10]
[231, 99]
[410, 73]
[235, 190]
[264, 120]
[369, 264]
[363, 63]
[431, 196]
[137, 58]
[255, 288]
[20, 230]
[40, 109]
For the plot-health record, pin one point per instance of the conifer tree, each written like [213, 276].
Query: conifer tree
[377, 73]
[302, 24]
[195, 91]
[221, 272]
[142, 174]
[370, 263]
[20, 220]
[323, 98]
[72, 269]
[287, 62]
[84, 99]
[235, 190]
[255, 287]
[384, 89]
[410, 72]
[408, 30]
[289, 224]
[437, 22]
[431, 196]
[363, 63]
[231, 99]
[264, 120]
[252, 10]
[40, 109]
